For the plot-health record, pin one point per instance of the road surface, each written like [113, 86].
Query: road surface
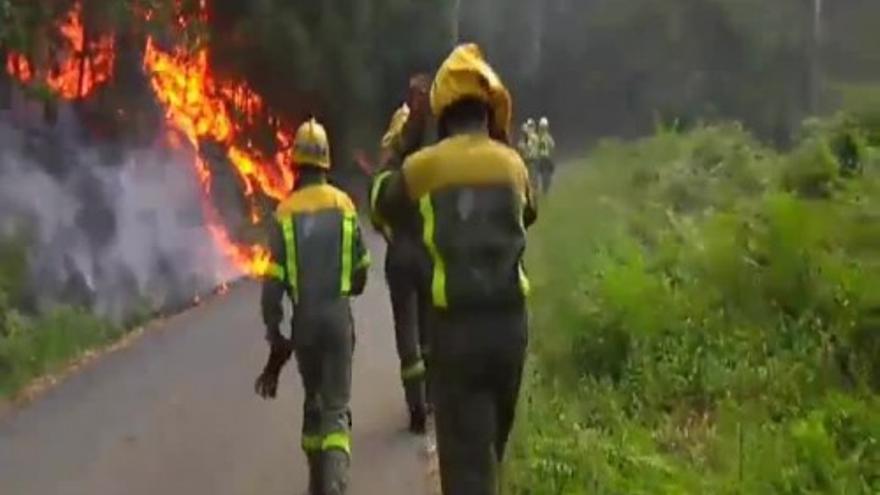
[175, 413]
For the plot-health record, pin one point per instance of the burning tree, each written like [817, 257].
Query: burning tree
[215, 118]
[212, 113]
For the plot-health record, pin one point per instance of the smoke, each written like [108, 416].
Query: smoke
[119, 235]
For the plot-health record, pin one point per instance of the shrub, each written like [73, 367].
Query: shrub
[708, 321]
[34, 346]
[13, 268]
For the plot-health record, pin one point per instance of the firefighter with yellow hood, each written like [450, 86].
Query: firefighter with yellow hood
[318, 259]
[411, 128]
[471, 196]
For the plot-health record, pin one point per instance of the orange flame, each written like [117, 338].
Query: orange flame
[202, 107]
[197, 105]
[251, 259]
[18, 67]
[87, 67]
[83, 66]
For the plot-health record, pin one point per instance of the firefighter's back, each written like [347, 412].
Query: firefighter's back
[318, 223]
[473, 193]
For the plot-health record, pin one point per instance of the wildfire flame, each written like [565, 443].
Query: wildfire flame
[88, 67]
[203, 108]
[18, 67]
[197, 105]
[83, 65]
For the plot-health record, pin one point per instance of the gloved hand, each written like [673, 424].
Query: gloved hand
[266, 385]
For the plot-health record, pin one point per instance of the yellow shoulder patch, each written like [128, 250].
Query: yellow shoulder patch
[313, 199]
[343, 201]
[417, 169]
[468, 160]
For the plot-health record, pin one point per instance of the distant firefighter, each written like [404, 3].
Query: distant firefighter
[528, 150]
[545, 146]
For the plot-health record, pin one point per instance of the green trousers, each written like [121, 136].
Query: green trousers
[477, 364]
[409, 307]
[546, 168]
[323, 337]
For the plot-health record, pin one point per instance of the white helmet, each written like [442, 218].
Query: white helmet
[530, 123]
[544, 123]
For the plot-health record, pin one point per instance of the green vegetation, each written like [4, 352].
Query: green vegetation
[348, 61]
[31, 346]
[706, 319]
[706, 312]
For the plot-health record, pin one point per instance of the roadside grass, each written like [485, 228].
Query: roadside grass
[33, 346]
[706, 319]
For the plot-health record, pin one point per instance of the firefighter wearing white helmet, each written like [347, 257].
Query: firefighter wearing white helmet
[528, 149]
[473, 265]
[545, 145]
[527, 142]
[319, 261]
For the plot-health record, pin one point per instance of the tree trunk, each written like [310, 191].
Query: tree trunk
[455, 23]
[816, 59]
[5, 82]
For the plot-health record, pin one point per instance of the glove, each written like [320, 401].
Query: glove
[266, 385]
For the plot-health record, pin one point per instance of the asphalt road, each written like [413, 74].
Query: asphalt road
[175, 413]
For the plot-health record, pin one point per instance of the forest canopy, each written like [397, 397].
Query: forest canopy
[595, 67]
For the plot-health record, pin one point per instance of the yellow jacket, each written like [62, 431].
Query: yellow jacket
[472, 200]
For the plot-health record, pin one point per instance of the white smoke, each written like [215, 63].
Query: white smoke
[118, 237]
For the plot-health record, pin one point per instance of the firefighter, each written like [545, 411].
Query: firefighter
[523, 145]
[545, 145]
[319, 260]
[411, 126]
[528, 149]
[410, 129]
[472, 198]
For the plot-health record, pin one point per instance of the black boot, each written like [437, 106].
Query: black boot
[429, 400]
[417, 420]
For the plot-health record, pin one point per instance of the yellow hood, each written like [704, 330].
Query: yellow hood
[466, 74]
